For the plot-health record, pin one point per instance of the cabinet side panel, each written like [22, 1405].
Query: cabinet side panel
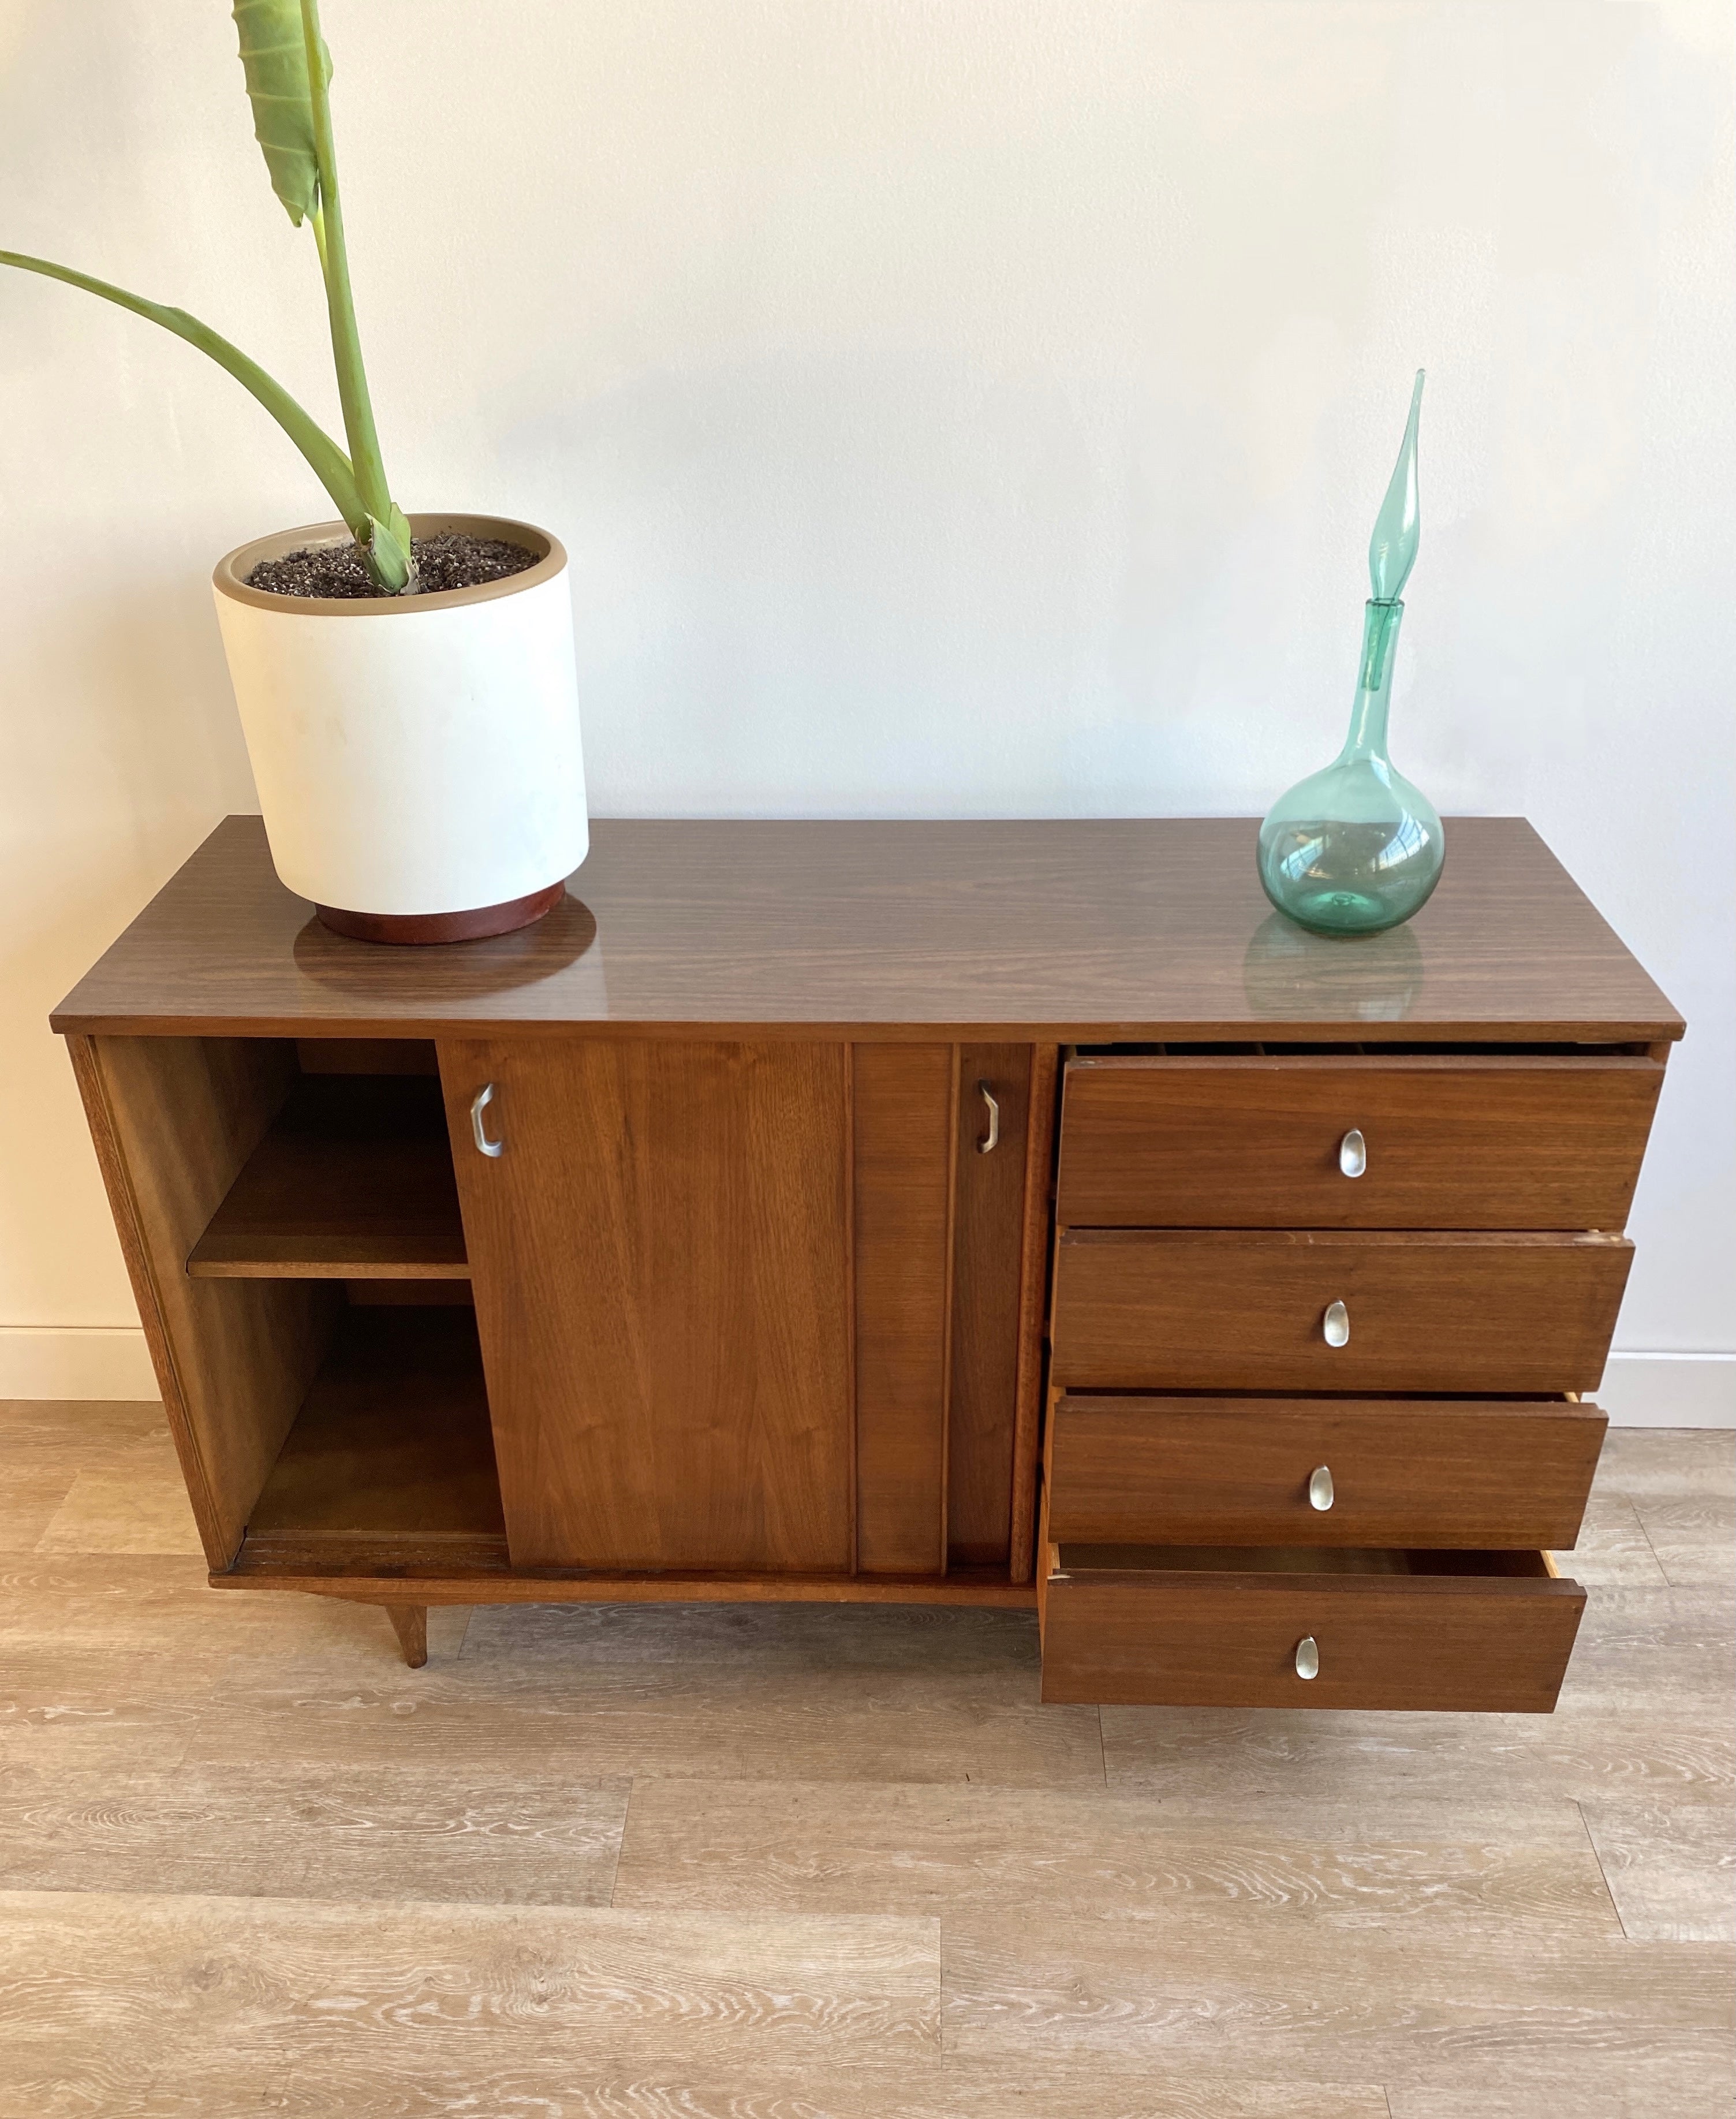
[990, 1211]
[903, 1122]
[174, 1119]
[659, 1261]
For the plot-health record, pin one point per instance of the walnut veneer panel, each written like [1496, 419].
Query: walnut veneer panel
[904, 1097]
[1480, 1641]
[660, 1264]
[1094, 930]
[986, 1280]
[1235, 1471]
[1212, 1310]
[1474, 1143]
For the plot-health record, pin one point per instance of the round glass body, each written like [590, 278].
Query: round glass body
[1355, 849]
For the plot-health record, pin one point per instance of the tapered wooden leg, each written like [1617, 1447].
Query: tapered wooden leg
[409, 1623]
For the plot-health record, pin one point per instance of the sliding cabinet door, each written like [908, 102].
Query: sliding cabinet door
[942, 1139]
[660, 1255]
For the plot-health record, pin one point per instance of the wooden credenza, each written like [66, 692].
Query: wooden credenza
[991, 1213]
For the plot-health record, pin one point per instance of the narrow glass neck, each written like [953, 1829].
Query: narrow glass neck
[1367, 736]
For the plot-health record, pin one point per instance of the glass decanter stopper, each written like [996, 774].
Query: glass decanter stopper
[1356, 848]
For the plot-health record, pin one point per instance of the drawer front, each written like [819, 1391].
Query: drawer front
[1205, 1310]
[1235, 1142]
[1413, 1472]
[1447, 1642]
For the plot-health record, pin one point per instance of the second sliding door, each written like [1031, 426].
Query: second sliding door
[660, 1257]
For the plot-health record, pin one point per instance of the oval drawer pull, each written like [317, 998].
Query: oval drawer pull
[1352, 1153]
[1307, 1657]
[1320, 1488]
[1337, 1325]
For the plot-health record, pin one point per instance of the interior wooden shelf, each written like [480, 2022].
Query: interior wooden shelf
[390, 1461]
[352, 1181]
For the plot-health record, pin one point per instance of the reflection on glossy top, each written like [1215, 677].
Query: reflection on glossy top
[1289, 974]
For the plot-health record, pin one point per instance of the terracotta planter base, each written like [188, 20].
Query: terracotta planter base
[421, 927]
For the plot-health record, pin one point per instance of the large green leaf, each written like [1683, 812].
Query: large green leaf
[329, 463]
[273, 56]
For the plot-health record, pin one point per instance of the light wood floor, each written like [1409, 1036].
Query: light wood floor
[782, 1862]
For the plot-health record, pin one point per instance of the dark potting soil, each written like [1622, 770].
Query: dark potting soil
[454, 561]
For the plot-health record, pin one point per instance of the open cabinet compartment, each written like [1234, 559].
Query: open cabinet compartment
[293, 1229]
[390, 1462]
[353, 1180]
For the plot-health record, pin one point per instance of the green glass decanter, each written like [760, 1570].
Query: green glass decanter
[1356, 848]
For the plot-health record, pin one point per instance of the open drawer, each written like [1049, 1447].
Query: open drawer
[1228, 1626]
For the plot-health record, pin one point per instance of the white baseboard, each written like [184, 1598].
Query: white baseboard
[85, 1362]
[74, 1361]
[1669, 1390]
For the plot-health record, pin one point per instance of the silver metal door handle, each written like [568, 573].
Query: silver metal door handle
[992, 1139]
[478, 1104]
[1320, 1487]
[1307, 1657]
[1353, 1154]
[1337, 1325]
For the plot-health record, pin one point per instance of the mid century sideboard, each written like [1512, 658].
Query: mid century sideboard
[971, 1213]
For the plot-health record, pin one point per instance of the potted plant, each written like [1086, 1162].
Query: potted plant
[406, 683]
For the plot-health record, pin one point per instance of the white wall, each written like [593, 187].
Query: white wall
[952, 407]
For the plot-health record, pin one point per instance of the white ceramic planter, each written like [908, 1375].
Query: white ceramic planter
[417, 758]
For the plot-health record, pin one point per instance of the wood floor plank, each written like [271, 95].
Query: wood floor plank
[365, 1993]
[980, 2087]
[1215, 1759]
[1696, 2088]
[842, 1847]
[289, 1830]
[341, 2087]
[1694, 1536]
[59, 1705]
[90, 1426]
[1671, 1867]
[44, 1449]
[29, 1496]
[163, 1602]
[1314, 2002]
[809, 1692]
[122, 1511]
[1642, 1648]
[635, 1727]
[959, 2089]
[1669, 1461]
[949, 1649]
[1612, 1546]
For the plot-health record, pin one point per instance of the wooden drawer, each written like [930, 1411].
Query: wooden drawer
[1489, 1632]
[1210, 1310]
[1527, 1143]
[1400, 1472]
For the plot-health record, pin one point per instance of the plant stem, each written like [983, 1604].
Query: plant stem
[346, 341]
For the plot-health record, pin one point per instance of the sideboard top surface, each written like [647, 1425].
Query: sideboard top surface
[1089, 931]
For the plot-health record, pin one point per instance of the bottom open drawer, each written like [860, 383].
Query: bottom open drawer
[1185, 1627]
